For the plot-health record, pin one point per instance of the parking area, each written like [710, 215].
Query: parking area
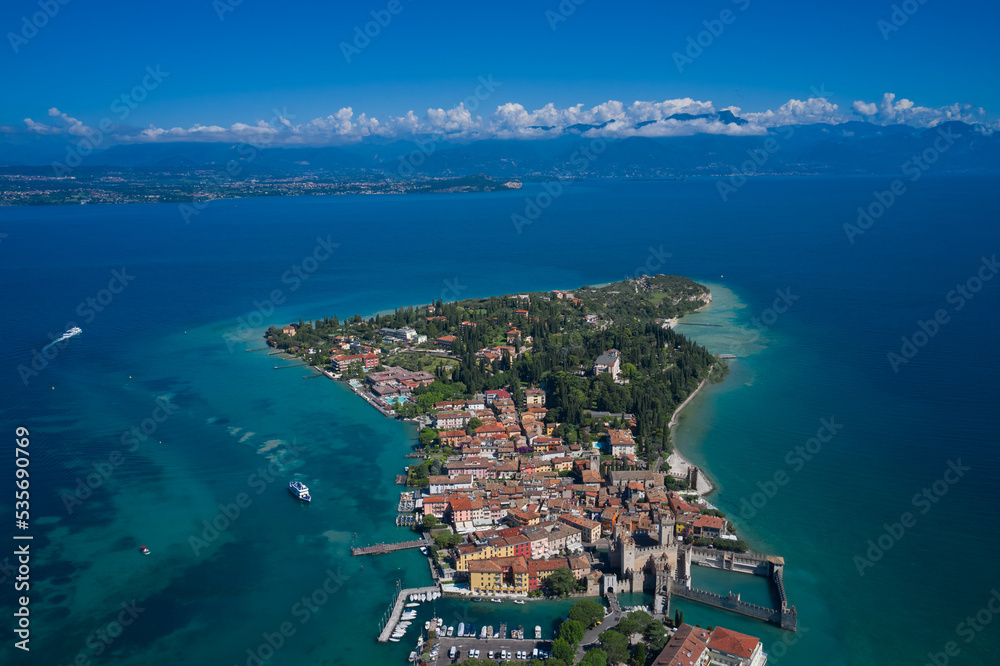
[485, 645]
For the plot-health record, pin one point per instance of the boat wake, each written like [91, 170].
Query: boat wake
[65, 336]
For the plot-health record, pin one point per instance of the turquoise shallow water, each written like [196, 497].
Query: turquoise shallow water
[166, 343]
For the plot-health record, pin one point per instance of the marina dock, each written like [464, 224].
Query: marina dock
[383, 548]
[397, 610]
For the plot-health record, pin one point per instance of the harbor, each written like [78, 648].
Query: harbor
[383, 548]
[402, 597]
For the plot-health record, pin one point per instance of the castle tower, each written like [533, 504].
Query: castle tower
[667, 529]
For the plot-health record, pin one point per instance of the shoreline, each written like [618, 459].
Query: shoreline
[676, 459]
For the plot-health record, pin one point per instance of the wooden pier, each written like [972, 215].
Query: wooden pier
[294, 365]
[402, 596]
[383, 548]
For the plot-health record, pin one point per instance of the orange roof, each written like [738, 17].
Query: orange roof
[733, 642]
[713, 522]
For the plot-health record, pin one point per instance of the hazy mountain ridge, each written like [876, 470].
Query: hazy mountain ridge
[853, 147]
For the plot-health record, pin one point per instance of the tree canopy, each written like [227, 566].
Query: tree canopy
[587, 612]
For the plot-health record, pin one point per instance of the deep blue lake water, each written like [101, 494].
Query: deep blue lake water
[811, 316]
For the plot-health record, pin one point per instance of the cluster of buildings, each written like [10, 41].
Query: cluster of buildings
[527, 502]
[694, 646]
[392, 381]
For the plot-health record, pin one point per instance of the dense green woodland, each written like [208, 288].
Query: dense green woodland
[555, 351]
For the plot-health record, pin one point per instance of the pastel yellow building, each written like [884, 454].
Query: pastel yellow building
[503, 575]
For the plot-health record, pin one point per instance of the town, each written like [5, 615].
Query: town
[543, 465]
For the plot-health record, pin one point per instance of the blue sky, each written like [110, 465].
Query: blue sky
[263, 56]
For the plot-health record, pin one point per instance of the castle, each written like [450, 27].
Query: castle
[645, 562]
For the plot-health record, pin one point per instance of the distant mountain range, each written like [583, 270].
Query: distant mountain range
[849, 148]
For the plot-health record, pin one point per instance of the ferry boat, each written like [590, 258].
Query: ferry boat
[299, 491]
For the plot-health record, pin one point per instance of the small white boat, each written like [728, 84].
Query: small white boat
[413, 605]
[393, 639]
[423, 550]
[413, 656]
[427, 625]
[461, 629]
[144, 550]
[519, 602]
[496, 601]
[538, 632]
[451, 631]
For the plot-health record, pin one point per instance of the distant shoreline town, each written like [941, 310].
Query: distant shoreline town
[35, 187]
[544, 466]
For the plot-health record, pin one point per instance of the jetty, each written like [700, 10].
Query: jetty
[294, 365]
[693, 323]
[383, 548]
[397, 610]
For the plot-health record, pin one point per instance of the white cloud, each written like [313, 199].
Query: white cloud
[891, 111]
[70, 125]
[869, 109]
[512, 120]
[799, 112]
